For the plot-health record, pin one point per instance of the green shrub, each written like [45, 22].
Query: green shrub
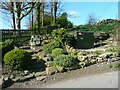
[98, 52]
[17, 59]
[64, 61]
[57, 51]
[6, 46]
[61, 34]
[56, 43]
[112, 49]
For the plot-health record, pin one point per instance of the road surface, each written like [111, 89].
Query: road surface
[106, 80]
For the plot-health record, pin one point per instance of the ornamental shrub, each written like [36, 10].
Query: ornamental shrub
[64, 61]
[17, 59]
[56, 43]
[61, 34]
[6, 46]
[57, 51]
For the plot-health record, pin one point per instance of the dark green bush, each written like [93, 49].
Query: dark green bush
[6, 46]
[17, 59]
[56, 43]
[57, 51]
[64, 61]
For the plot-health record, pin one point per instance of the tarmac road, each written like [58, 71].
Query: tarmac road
[105, 80]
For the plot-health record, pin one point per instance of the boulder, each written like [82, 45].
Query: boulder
[40, 55]
[82, 58]
[45, 42]
[82, 64]
[40, 74]
[29, 76]
[25, 47]
[51, 70]
[100, 59]
[16, 79]
[7, 82]
[93, 61]
[105, 55]
[48, 63]
[40, 78]
[12, 76]
[35, 40]
[47, 59]
[60, 69]
[26, 72]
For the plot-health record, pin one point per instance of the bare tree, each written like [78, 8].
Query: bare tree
[91, 20]
[38, 15]
[18, 11]
[42, 24]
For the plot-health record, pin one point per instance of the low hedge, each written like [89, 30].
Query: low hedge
[57, 51]
[64, 61]
[6, 46]
[17, 59]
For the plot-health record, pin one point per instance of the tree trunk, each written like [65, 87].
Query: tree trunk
[32, 19]
[51, 11]
[38, 16]
[42, 14]
[55, 11]
[13, 15]
[18, 20]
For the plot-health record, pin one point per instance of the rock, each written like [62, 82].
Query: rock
[82, 58]
[29, 76]
[33, 48]
[40, 74]
[105, 55]
[22, 79]
[40, 78]
[48, 63]
[49, 55]
[100, 59]
[3, 84]
[25, 47]
[15, 47]
[72, 68]
[40, 55]
[5, 78]
[29, 51]
[44, 80]
[45, 42]
[60, 69]
[115, 55]
[16, 79]
[82, 64]
[26, 72]
[51, 70]
[35, 40]
[93, 61]
[47, 58]
[7, 82]
[12, 76]
[32, 43]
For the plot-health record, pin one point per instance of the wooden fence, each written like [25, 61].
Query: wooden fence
[11, 34]
[23, 33]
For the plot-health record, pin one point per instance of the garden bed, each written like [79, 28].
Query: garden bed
[74, 74]
[56, 60]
